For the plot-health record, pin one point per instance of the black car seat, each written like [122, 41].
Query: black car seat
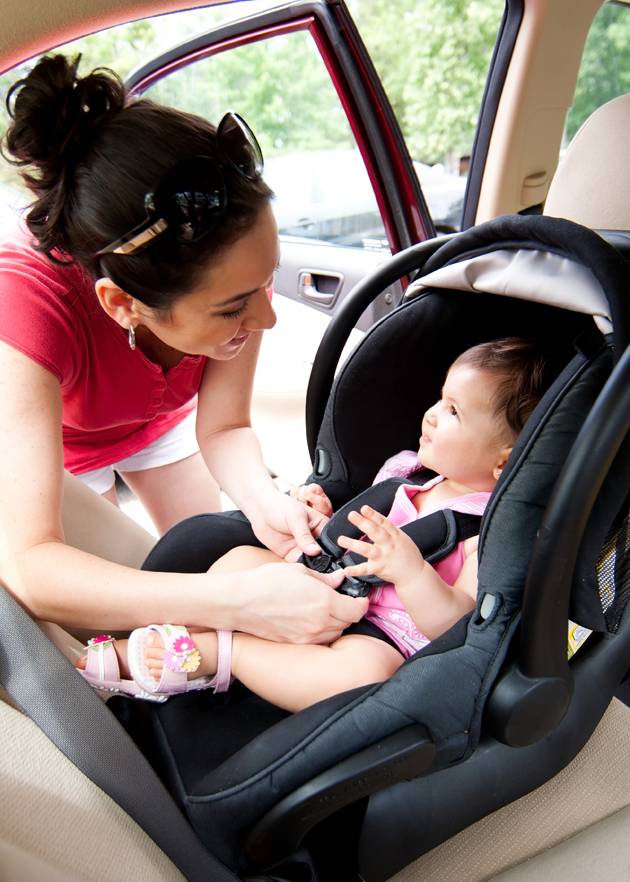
[492, 709]
[77, 721]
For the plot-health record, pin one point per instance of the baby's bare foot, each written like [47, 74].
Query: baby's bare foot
[120, 647]
[205, 642]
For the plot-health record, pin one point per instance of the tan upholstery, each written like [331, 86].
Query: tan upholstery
[56, 819]
[57, 825]
[591, 185]
[93, 524]
[594, 786]
[598, 852]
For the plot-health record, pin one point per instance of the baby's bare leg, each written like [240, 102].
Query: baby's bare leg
[243, 557]
[294, 677]
[290, 676]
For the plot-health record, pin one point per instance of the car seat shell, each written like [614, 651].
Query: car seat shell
[226, 801]
[605, 664]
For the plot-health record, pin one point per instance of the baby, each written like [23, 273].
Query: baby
[466, 438]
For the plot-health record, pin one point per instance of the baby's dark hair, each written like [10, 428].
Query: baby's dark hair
[90, 153]
[522, 372]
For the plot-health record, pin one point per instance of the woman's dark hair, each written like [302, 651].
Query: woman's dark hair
[89, 153]
[523, 376]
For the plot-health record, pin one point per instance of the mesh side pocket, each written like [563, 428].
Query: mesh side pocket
[613, 573]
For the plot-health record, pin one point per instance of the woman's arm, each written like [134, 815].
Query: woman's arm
[227, 441]
[232, 452]
[71, 587]
[52, 580]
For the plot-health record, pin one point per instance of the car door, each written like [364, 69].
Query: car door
[347, 192]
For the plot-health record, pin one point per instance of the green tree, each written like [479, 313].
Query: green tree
[602, 75]
[118, 48]
[280, 86]
[121, 48]
[433, 58]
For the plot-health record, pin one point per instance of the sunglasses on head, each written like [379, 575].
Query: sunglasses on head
[191, 198]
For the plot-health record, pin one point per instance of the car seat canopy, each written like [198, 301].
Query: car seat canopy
[525, 274]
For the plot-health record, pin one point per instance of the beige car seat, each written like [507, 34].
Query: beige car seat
[591, 185]
[57, 824]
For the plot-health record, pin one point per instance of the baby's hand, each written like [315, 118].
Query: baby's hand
[391, 555]
[313, 496]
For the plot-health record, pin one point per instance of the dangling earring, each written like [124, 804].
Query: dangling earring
[132, 337]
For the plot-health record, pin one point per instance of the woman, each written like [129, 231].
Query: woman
[148, 282]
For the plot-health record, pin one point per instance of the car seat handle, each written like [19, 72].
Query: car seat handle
[402, 756]
[347, 315]
[532, 696]
[550, 575]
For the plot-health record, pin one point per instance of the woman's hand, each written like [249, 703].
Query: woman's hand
[313, 496]
[391, 555]
[292, 604]
[287, 527]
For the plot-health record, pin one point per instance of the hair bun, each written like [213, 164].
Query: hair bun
[55, 114]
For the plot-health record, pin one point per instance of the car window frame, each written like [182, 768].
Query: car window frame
[495, 81]
[404, 212]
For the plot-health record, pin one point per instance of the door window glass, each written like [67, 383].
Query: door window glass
[432, 57]
[121, 48]
[282, 88]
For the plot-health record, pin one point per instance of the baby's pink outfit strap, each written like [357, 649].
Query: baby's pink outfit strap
[400, 465]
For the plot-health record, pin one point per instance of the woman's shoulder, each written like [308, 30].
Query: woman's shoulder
[16, 244]
[44, 307]
[21, 264]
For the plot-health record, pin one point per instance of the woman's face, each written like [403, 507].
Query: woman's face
[230, 302]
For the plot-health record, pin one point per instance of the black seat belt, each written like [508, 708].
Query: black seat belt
[45, 685]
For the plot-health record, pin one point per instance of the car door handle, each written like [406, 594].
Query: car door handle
[318, 287]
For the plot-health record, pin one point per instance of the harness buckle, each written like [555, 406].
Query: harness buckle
[326, 563]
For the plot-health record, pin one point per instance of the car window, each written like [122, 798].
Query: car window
[433, 57]
[605, 66]
[282, 88]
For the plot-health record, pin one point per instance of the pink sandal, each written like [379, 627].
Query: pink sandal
[103, 672]
[181, 657]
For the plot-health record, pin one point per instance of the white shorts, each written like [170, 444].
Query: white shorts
[178, 443]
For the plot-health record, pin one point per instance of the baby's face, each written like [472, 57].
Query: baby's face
[461, 436]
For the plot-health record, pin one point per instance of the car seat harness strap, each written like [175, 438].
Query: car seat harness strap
[436, 535]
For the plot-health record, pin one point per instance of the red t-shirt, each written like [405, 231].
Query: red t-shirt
[115, 400]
